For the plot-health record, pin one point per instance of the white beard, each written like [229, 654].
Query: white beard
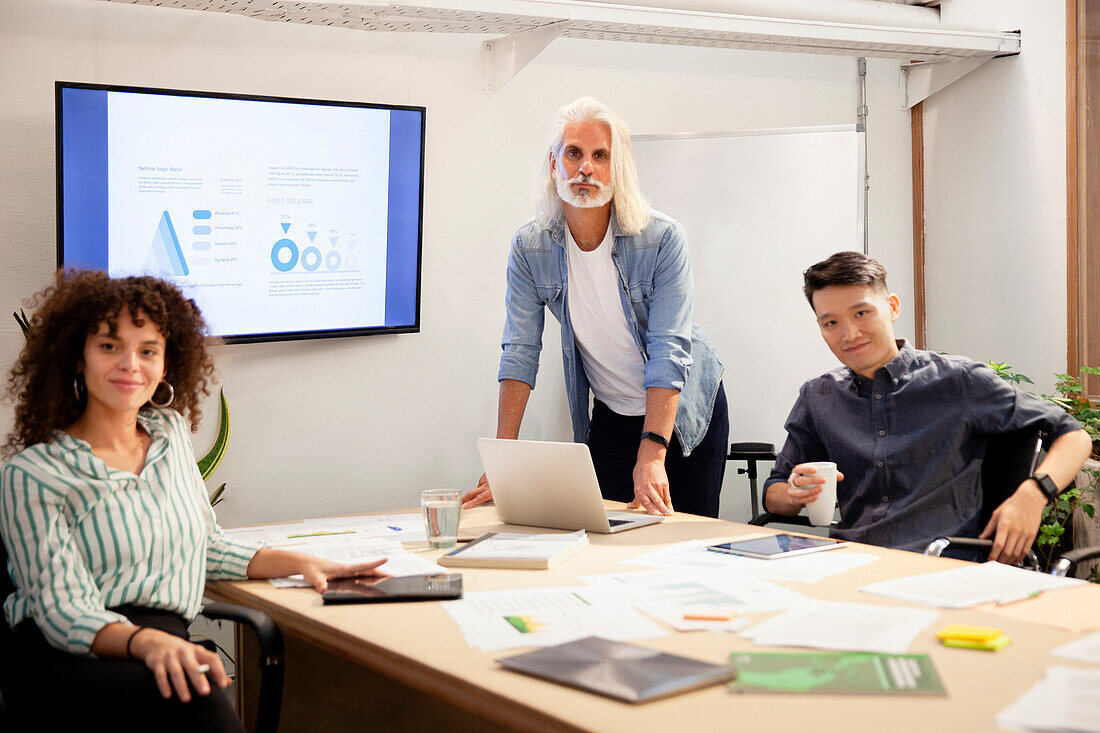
[584, 200]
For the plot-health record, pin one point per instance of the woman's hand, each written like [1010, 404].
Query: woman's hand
[271, 563]
[175, 662]
[318, 572]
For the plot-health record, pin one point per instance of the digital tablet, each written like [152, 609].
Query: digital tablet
[780, 545]
[394, 590]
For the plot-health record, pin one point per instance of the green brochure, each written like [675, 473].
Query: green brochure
[861, 673]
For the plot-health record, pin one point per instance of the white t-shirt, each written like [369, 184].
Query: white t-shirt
[611, 359]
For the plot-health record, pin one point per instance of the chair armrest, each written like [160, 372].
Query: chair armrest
[1069, 559]
[938, 545]
[771, 518]
[267, 633]
[270, 641]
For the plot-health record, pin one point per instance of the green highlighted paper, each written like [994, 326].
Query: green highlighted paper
[893, 674]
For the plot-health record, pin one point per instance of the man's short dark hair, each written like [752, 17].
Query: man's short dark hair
[844, 268]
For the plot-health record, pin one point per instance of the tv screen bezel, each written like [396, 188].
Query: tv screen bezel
[414, 327]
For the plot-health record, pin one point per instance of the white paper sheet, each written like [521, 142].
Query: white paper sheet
[968, 586]
[398, 561]
[1086, 649]
[494, 620]
[850, 627]
[803, 569]
[1066, 699]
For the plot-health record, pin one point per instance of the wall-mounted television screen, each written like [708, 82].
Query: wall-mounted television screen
[282, 218]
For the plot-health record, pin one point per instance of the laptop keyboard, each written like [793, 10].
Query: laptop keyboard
[618, 522]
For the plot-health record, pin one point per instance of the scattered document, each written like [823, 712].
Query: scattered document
[968, 586]
[1066, 699]
[802, 569]
[325, 530]
[493, 620]
[852, 627]
[1086, 649]
[398, 562]
[694, 600]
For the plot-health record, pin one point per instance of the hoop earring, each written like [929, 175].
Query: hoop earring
[171, 395]
[79, 389]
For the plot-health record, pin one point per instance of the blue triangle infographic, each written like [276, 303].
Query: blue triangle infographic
[166, 248]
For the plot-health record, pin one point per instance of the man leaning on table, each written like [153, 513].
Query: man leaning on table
[908, 428]
[616, 274]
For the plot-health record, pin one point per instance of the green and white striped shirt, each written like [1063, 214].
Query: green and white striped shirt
[83, 537]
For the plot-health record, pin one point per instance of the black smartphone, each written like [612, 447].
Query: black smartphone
[394, 590]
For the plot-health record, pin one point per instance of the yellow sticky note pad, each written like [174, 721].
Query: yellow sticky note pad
[990, 646]
[960, 632]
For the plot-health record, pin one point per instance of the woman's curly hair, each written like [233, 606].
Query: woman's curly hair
[41, 383]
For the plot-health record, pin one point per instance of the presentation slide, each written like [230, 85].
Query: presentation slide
[275, 217]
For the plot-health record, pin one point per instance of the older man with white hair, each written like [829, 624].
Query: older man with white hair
[617, 276]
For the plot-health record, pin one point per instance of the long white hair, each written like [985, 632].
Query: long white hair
[632, 210]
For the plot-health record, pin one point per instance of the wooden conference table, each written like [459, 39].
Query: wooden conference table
[406, 666]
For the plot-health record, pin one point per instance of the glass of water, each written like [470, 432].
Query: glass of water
[441, 508]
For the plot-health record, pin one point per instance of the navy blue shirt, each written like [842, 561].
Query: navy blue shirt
[909, 443]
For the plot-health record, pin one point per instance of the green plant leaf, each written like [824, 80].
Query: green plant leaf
[217, 497]
[21, 319]
[209, 462]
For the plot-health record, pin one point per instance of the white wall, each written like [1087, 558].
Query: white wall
[349, 425]
[995, 197]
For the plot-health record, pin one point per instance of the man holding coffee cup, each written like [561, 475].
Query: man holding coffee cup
[909, 428]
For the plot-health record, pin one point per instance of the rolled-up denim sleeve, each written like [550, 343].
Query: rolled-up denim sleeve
[668, 333]
[802, 444]
[998, 407]
[524, 320]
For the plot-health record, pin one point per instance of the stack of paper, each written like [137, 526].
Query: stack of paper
[514, 550]
[968, 586]
[803, 569]
[853, 627]
[1065, 700]
[504, 619]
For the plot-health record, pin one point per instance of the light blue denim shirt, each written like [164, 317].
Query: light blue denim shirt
[657, 294]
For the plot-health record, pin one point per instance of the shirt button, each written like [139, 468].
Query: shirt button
[880, 464]
[878, 395]
[886, 498]
[895, 381]
[882, 432]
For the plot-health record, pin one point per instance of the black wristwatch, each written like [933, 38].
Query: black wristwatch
[656, 438]
[1046, 485]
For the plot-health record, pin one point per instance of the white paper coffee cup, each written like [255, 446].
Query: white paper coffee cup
[822, 509]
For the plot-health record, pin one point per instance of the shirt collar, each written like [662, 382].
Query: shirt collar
[150, 420]
[895, 368]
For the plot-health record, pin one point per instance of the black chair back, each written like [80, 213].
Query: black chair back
[1009, 459]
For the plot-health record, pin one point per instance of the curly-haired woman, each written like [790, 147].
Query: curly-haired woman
[105, 517]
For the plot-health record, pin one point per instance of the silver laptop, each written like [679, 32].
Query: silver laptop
[545, 484]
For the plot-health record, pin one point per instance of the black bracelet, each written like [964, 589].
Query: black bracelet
[130, 654]
[656, 438]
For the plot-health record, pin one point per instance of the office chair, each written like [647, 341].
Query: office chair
[267, 633]
[751, 453]
[1009, 459]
